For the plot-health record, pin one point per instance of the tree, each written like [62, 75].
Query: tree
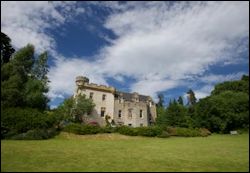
[81, 105]
[24, 80]
[176, 115]
[161, 116]
[191, 97]
[237, 86]
[37, 84]
[161, 100]
[180, 100]
[14, 77]
[223, 112]
[6, 48]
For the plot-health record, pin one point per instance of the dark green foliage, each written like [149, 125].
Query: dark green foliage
[20, 120]
[223, 112]
[235, 86]
[177, 115]
[64, 110]
[20, 86]
[191, 97]
[36, 134]
[6, 49]
[187, 132]
[180, 100]
[149, 131]
[82, 129]
[161, 100]
[34, 92]
[81, 106]
[125, 130]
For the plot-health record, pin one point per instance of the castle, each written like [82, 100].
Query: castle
[131, 109]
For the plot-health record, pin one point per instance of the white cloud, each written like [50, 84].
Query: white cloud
[159, 44]
[218, 78]
[28, 21]
[173, 43]
[203, 92]
[62, 76]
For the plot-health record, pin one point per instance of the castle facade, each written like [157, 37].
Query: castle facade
[131, 109]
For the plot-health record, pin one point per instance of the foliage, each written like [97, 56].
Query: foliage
[223, 112]
[82, 129]
[20, 86]
[191, 97]
[161, 100]
[36, 134]
[81, 106]
[161, 118]
[180, 100]
[63, 111]
[20, 120]
[107, 118]
[6, 48]
[235, 86]
[187, 132]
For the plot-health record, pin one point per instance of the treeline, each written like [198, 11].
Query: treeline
[226, 109]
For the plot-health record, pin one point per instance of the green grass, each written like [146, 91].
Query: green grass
[114, 152]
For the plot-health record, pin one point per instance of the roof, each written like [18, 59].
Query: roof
[129, 96]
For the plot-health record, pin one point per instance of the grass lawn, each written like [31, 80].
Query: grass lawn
[114, 152]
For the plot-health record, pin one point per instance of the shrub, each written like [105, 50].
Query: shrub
[204, 132]
[149, 131]
[185, 132]
[125, 130]
[164, 134]
[36, 134]
[20, 120]
[72, 128]
[82, 129]
[107, 130]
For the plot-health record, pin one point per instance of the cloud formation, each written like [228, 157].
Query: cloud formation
[159, 44]
[29, 21]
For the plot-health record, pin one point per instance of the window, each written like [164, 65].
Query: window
[102, 111]
[140, 113]
[120, 114]
[103, 97]
[91, 95]
[130, 125]
[141, 125]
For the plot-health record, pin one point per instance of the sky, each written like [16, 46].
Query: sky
[145, 47]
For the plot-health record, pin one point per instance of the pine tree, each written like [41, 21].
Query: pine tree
[180, 100]
[191, 97]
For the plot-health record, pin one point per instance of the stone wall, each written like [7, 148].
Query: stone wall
[126, 119]
[108, 104]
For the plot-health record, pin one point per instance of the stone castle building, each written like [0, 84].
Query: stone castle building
[131, 109]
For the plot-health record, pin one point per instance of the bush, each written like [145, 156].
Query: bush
[20, 120]
[125, 130]
[185, 132]
[82, 129]
[36, 134]
[204, 132]
[149, 131]
[164, 134]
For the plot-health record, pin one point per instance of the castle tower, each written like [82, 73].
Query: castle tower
[81, 81]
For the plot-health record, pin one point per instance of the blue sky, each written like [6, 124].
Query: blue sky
[145, 47]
